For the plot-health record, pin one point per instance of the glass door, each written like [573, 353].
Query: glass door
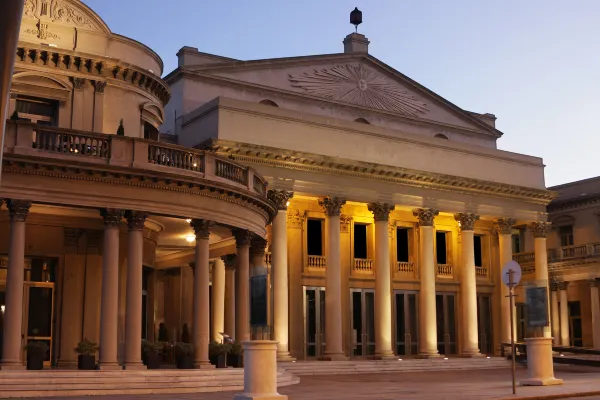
[445, 310]
[484, 322]
[362, 302]
[38, 309]
[406, 311]
[314, 322]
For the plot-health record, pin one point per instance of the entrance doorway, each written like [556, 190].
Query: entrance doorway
[314, 321]
[406, 311]
[38, 314]
[445, 311]
[484, 322]
[362, 302]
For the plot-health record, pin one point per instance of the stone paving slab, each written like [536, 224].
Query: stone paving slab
[445, 385]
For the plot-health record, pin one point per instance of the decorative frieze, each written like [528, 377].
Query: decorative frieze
[243, 237]
[425, 215]
[381, 211]
[19, 209]
[331, 205]
[136, 220]
[345, 222]
[295, 219]
[503, 226]
[280, 198]
[466, 221]
[202, 228]
[540, 229]
[112, 216]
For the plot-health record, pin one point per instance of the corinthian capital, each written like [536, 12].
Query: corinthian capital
[19, 209]
[136, 219]
[112, 216]
[280, 198]
[331, 205]
[381, 211]
[425, 215]
[503, 226]
[242, 237]
[202, 228]
[258, 245]
[540, 229]
[466, 221]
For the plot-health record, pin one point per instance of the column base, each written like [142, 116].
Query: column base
[428, 354]
[541, 382]
[256, 396]
[471, 354]
[285, 356]
[203, 365]
[134, 366]
[334, 357]
[539, 363]
[109, 366]
[385, 356]
[16, 366]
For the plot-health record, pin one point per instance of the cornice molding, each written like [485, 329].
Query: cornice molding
[571, 204]
[292, 160]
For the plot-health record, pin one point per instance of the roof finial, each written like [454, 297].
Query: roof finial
[356, 18]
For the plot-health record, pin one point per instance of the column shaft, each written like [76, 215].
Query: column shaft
[333, 295]
[201, 310]
[13, 312]
[505, 246]
[541, 267]
[595, 300]
[230, 300]
[555, 318]
[564, 317]
[279, 271]
[468, 286]
[218, 299]
[109, 307]
[427, 312]
[242, 286]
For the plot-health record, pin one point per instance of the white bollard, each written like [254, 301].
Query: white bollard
[260, 371]
[539, 363]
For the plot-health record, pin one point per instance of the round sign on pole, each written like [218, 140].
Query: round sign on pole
[516, 273]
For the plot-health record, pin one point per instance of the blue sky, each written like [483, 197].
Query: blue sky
[535, 64]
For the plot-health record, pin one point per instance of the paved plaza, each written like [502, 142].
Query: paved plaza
[446, 385]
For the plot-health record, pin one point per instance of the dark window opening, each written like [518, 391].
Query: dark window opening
[37, 110]
[478, 252]
[440, 247]
[566, 235]
[150, 132]
[516, 243]
[314, 237]
[360, 241]
[575, 324]
[402, 247]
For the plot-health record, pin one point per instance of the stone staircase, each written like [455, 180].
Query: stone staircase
[303, 368]
[55, 383]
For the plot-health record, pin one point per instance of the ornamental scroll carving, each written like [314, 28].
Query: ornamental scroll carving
[42, 32]
[280, 198]
[540, 229]
[345, 221]
[202, 228]
[466, 221]
[58, 11]
[331, 205]
[359, 85]
[381, 211]
[425, 216]
[503, 226]
[295, 218]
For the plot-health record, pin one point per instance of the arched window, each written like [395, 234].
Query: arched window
[267, 102]
[362, 121]
[441, 136]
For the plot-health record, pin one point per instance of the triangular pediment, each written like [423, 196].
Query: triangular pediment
[351, 79]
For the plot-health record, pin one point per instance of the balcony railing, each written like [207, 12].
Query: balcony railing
[363, 265]
[405, 266]
[67, 144]
[445, 270]
[524, 258]
[317, 262]
[481, 272]
[573, 251]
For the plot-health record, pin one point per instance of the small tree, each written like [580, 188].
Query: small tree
[121, 129]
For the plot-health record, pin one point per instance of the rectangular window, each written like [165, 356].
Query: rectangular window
[478, 251]
[440, 247]
[566, 235]
[360, 241]
[516, 244]
[37, 110]
[402, 246]
[314, 237]
[575, 325]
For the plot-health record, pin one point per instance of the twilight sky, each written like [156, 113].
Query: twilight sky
[535, 64]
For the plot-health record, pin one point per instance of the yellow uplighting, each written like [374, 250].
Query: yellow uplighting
[190, 238]
[188, 220]
[287, 204]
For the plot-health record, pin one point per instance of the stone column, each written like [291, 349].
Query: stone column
[109, 307]
[333, 282]
[540, 230]
[279, 271]
[259, 268]
[503, 227]
[260, 371]
[383, 281]
[564, 314]
[230, 294]
[133, 307]
[468, 285]
[98, 112]
[242, 285]
[555, 315]
[77, 103]
[201, 310]
[595, 305]
[13, 312]
[427, 312]
[218, 299]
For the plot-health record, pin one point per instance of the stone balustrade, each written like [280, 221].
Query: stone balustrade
[481, 272]
[405, 266]
[27, 139]
[445, 271]
[317, 262]
[560, 255]
[363, 265]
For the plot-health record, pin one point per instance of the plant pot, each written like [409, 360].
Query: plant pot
[35, 362]
[235, 360]
[185, 361]
[86, 362]
[151, 360]
[222, 361]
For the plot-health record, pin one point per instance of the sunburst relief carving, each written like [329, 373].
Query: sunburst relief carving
[357, 84]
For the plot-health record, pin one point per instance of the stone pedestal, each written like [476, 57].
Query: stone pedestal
[260, 371]
[539, 363]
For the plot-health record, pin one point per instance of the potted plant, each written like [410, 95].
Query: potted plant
[36, 354]
[184, 355]
[163, 334]
[185, 334]
[87, 354]
[217, 354]
[151, 354]
[235, 358]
